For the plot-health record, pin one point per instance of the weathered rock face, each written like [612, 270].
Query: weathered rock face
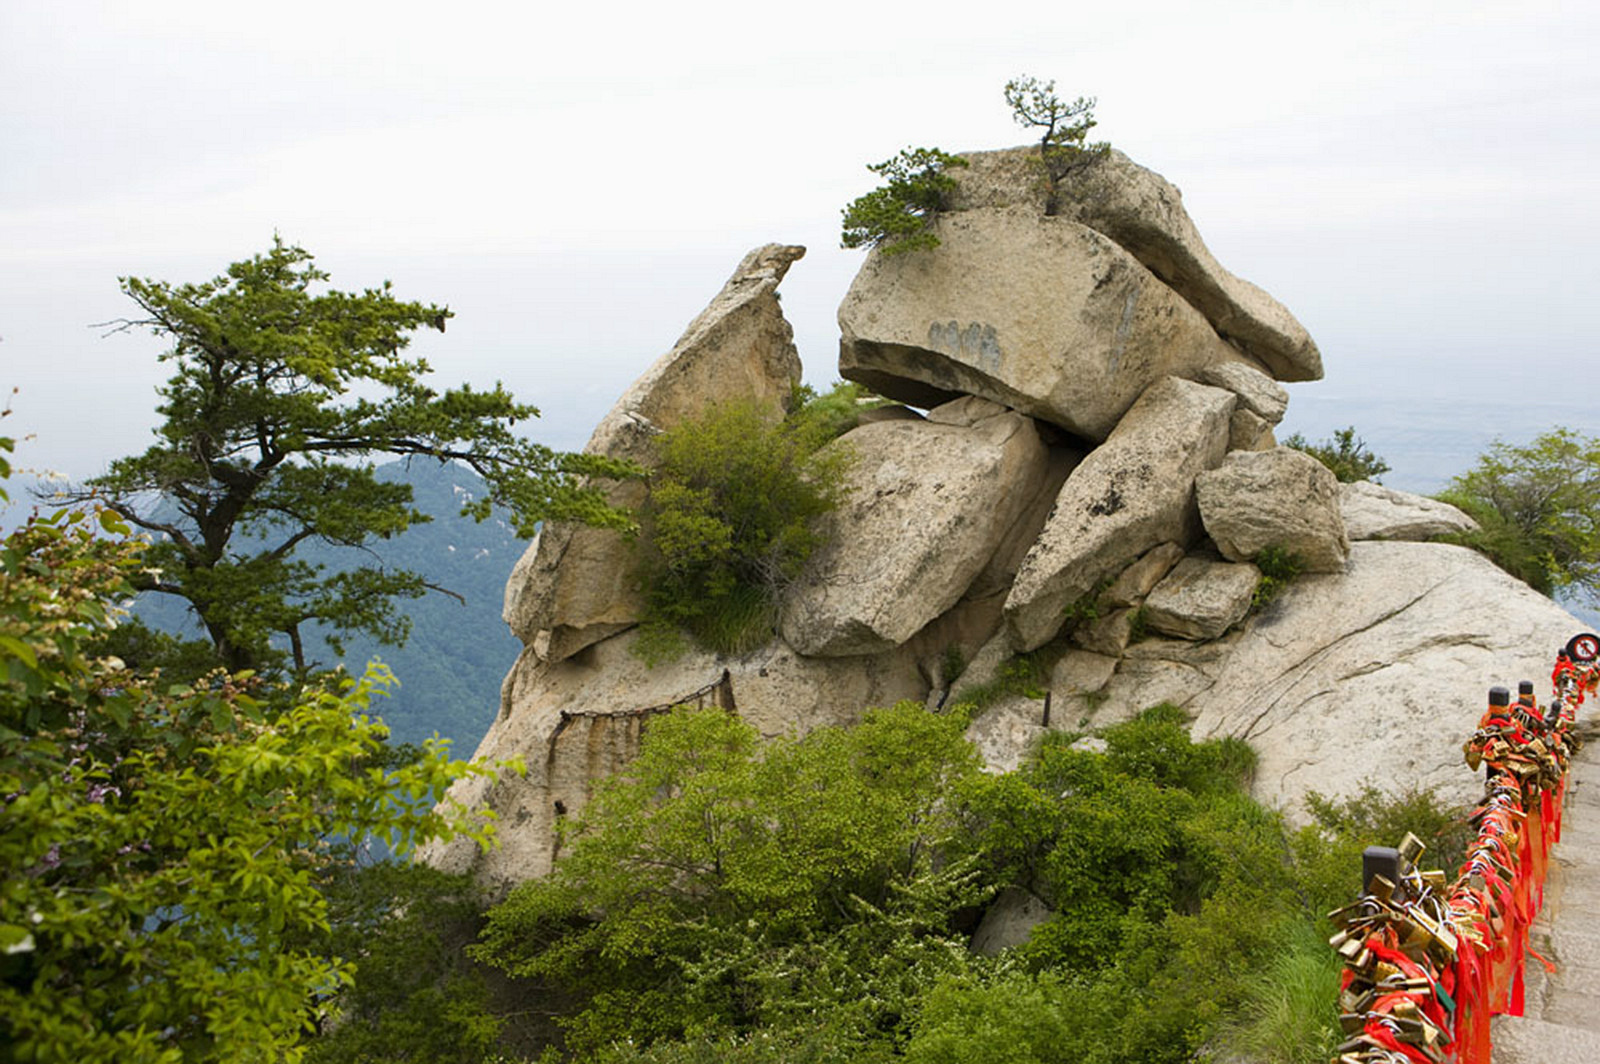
[1144, 214]
[576, 583]
[1201, 598]
[1130, 494]
[1138, 579]
[577, 721]
[1279, 498]
[1372, 511]
[1042, 315]
[927, 505]
[1377, 675]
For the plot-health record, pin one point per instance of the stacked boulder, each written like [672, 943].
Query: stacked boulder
[1084, 470]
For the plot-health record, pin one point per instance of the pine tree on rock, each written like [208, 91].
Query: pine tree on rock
[284, 392]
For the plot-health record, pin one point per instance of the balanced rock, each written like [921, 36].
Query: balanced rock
[1042, 315]
[1372, 511]
[1144, 214]
[926, 505]
[1132, 493]
[1201, 598]
[576, 721]
[1279, 498]
[574, 585]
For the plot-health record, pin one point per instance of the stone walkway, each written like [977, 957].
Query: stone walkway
[1562, 1025]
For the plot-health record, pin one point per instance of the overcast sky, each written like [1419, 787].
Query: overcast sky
[1413, 180]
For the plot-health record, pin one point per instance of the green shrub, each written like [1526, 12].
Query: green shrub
[822, 416]
[1344, 453]
[730, 520]
[1278, 570]
[1021, 676]
[725, 887]
[898, 216]
[1538, 510]
[1327, 852]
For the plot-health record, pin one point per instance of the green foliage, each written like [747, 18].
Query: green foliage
[163, 842]
[1011, 1018]
[1168, 886]
[898, 215]
[1063, 144]
[720, 887]
[1022, 676]
[1086, 607]
[1344, 453]
[1538, 508]
[280, 397]
[1289, 1015]
[1279, 568]
[415, 996]
[828, 415]
[1327, 851]
[731, 521]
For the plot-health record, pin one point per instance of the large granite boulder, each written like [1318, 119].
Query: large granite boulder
[1144, 214]
[1042, 315]
[1132, 493]
[574, 585]
[1280, 498]
[1372, 511]
[1379, 674]
[576, 721]
[927, 503]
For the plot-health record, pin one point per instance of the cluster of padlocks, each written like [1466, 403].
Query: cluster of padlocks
[1427, 962]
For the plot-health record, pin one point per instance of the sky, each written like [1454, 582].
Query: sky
[1413, 180]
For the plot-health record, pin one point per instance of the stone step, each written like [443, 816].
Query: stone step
[1525, 1040]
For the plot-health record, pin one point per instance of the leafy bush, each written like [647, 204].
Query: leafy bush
[1168, 886]
[1538, 510]
[730, 521]
[722, 887]
[416, 997]
[1344, 453]
[1278, 570]
[822, 416]
[898, 216]
[1021, 676]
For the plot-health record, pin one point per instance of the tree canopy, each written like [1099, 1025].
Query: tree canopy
[282, 394]
[1538, 508]
[162, 843]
